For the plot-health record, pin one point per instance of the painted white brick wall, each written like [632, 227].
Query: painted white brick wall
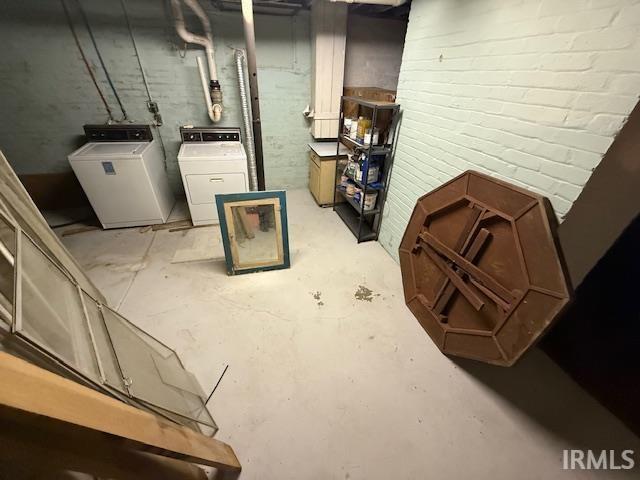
[530, 91]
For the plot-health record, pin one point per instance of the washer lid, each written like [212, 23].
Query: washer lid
[113, 149]
[212, 151]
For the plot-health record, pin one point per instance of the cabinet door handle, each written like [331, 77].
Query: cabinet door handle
[216, 179]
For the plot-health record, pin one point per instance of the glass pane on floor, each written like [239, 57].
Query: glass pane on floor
[112, 374]
[7, 261]
[52, 314]
[154, 371]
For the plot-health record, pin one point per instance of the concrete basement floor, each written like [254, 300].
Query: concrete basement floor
[325, 385]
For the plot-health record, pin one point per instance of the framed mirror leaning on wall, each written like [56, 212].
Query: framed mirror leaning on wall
[254, 231]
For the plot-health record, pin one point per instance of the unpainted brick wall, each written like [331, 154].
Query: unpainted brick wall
[529, 91]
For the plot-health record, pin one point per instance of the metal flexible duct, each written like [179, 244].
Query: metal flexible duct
[246, 119]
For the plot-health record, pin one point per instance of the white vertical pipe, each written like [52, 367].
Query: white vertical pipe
[213, 110]
[205, 89]
[200, 13]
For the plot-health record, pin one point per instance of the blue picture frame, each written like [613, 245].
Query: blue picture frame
[252, 199]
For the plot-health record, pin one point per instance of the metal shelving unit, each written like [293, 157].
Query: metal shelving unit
[365, 224]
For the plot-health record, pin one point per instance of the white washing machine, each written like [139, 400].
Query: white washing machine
[212, 160]
[121, 169]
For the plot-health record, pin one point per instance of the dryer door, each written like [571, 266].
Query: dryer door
[202, 188]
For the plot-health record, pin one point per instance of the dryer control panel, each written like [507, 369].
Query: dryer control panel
[210, 134]
[118, 133]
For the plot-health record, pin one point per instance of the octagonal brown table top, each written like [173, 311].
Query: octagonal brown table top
[481, 268]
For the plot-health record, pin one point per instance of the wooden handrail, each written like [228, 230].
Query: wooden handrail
[44, 396]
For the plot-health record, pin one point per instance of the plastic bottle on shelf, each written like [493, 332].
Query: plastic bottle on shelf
[363, 125]
[367, 136]
[353, 133]
[346, 126]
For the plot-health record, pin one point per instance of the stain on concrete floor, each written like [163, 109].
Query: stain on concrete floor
[118, 266]
[318, 295]
[365, 294]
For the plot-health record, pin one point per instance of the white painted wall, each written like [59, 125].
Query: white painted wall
[530, 91]
[374, 51]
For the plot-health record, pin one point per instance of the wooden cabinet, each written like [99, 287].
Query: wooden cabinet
[321, 178]
[314, 176]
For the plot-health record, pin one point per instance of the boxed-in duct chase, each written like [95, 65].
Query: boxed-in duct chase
[481, 268]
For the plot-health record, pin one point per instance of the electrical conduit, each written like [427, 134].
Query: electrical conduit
[86, 62]
[101, 60]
